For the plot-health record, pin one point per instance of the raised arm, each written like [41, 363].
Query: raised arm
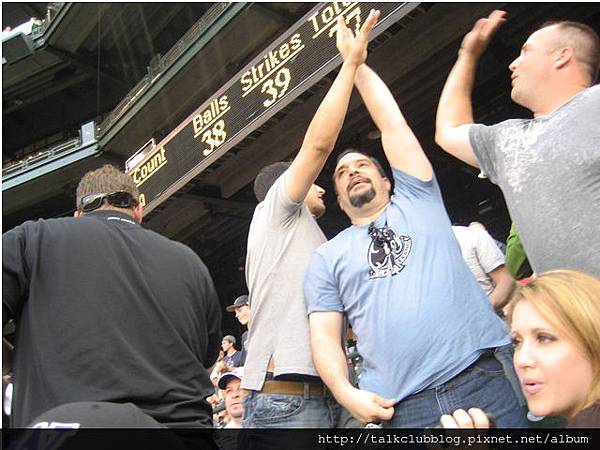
[325, 126]
[455, 112]
[330, 361]
[400, 145]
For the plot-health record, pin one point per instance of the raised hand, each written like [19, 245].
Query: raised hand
[477, 40]
[474, 418]
[354, 49]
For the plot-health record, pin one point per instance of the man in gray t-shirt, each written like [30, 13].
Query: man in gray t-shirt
[548, 167]
[284, 390]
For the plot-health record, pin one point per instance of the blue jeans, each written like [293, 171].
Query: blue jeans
[482, 385]
[505, 354]
[289, 411]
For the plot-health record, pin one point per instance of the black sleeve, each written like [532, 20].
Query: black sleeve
[213, 317]
[15, 273]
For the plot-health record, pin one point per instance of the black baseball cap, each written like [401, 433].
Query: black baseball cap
[240, 301]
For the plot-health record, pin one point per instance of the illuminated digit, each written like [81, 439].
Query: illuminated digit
[282, 81]
[276, 87]
[214, 137]
[142, 199]
[268, 88]
[354, 14]
[219, 132]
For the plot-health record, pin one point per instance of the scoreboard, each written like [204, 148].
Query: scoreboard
[291, 65]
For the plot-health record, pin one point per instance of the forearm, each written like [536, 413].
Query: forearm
[505, 284]
[330, 362]
[378, 99]
[327, 122]
[455, 106]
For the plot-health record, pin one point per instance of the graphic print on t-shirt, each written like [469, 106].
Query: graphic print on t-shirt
[387, 252]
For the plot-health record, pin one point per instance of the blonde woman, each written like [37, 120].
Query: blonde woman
[555, 325]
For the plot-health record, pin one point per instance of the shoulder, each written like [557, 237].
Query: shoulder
[587, 418]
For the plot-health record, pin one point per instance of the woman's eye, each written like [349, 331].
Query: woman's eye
[545, 338]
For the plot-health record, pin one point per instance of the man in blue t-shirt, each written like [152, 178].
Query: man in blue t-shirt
[399, 276]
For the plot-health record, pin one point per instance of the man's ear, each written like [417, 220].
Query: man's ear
[138, 213]
[563, 57]
[77, 213]
[388, 184]
[337, 198]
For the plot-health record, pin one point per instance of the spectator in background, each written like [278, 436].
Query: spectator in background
[109, 311]
[547, 167]
[232, 358]
[229, 383]
[486, 262]
[516, 258]
[555, 323]
[242, 314]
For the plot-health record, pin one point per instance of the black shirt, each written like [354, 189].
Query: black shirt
[109, 311]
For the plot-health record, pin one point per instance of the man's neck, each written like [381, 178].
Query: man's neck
[558, 98]
[231, 351]
[363, 216]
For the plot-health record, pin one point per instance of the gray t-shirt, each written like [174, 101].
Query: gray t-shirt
[283, 234]
[549, 171]
[480, 252]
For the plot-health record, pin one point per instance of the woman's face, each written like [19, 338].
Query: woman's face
[556, 376]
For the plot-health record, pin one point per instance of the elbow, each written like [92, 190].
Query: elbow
[439, 137]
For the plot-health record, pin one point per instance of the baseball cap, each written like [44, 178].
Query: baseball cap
[238, 373]
[240, 301]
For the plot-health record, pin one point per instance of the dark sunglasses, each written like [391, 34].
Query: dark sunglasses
[118, 199]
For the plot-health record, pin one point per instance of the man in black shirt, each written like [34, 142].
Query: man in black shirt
[108, 311]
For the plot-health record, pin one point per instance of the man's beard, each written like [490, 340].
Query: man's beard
[361, 199]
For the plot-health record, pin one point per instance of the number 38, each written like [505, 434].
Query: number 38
[276, 87]
[214, 137]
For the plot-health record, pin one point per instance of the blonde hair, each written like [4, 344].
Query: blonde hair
[570, 301]
[106, 179]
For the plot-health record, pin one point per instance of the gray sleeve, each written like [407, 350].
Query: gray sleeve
[277, 206]
[483, 143]
[489, 254]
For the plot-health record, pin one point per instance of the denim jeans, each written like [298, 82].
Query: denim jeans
[482, 385]
[289, 411]
[504, 354]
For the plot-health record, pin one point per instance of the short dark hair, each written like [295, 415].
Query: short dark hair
[105, 180]
[374, 160]
[267, 176]
[584, 41]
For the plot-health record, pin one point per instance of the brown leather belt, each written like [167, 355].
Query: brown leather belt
[293, 388]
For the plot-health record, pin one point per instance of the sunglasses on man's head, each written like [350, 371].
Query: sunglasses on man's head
[120, 199]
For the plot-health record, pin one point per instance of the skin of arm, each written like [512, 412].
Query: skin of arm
[455, 113]
[400, 145]
[325, 126]
[330, 362]
[504, 285]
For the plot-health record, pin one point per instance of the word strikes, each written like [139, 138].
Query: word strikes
[150, 167]
[215, 110]
[325, 19]
[272, 61]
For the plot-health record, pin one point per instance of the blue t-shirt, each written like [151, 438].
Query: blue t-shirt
[419, 315]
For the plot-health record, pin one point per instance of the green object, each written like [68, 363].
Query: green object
[516, 258]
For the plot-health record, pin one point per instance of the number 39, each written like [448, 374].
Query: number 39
[276, 87]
